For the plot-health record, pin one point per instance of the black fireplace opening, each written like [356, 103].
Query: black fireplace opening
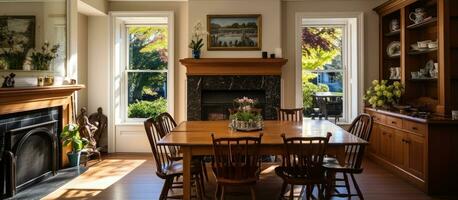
[31, 148]
[216, 103]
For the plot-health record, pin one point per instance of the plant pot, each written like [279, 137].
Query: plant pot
[42, 66]
[74, 158]
[196, 54]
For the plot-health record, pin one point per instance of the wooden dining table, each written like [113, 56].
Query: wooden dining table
[194, 139]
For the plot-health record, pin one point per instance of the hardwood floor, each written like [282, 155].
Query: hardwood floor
[133, 177]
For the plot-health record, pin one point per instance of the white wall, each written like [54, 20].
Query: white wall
[82, 59]
[271, 18]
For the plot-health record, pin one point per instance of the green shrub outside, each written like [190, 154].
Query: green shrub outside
[147, 109]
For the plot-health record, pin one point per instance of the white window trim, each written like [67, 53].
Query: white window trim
[355, 58]
[118, 102]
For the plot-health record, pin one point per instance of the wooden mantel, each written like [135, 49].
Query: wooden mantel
[233, 66]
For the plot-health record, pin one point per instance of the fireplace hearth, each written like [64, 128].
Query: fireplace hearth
[30, 148]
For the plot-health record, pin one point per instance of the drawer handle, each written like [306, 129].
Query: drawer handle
[393, 122]
[415, 128]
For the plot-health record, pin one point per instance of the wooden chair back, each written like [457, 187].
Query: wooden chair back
[166, 123]
[159, 151]
[236, 158]
[303, 156]
[295, 115]
[362, 128]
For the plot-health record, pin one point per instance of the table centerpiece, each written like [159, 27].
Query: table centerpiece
[245, 116]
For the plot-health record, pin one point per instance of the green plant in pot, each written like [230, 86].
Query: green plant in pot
[71, 135]
[383, 95]
[197, 41]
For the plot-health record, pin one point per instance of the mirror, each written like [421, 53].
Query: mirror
[33, 38]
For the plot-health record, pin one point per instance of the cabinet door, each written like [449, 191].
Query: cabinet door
[386, 144]
[400, 148]
[416, 155]
[374, 143]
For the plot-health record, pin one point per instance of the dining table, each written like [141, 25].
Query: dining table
[194, 139]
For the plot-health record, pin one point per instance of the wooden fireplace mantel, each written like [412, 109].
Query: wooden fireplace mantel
[233, 66]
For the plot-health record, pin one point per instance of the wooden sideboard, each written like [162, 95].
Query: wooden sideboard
[422, 151]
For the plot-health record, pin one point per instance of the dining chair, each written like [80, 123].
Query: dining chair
[354, 154]
[165, 124]
[236, 163]
[302, 164]
[168, 169]
[295, 114]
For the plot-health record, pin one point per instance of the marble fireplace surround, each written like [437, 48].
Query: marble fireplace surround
[233, 74]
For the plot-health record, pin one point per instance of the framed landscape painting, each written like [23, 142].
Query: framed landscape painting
[20, 28]
[234, 32]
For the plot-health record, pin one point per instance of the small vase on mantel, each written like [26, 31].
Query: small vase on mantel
[196, 54]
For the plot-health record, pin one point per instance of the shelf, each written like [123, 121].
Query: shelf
[421, 52]
[393, 57]
[19, 70]
[393, 33]
[428, 22]
[423, 79]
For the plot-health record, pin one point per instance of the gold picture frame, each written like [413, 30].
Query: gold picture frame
[250, 32]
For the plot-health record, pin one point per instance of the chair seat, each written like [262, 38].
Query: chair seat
[337, 167]
[176, 168]
[283, 172]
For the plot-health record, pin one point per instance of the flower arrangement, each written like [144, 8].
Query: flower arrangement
[382, 94]
[246, 118]
[197, 41]
[13, 56]
[42, 59]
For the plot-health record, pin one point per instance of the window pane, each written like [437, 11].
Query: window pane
[147, 94]
[148, 47]
[321, 51]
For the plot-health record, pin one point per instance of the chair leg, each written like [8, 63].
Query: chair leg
[330, 186]
[347, 185]
[204, 169]
[218, 189]
[165, 188]
[301, 194]
[308, 192]
[283, 189]
[253, 194]
[222, 192]
[291, 192]
[360, 194]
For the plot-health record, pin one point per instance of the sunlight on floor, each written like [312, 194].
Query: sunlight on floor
[95, 179]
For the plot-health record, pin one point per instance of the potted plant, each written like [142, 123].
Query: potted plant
[71, 135]
[41, 60]
[197, 41]
[246, 117]
[382, 95]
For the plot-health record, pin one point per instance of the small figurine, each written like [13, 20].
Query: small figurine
[9, 81]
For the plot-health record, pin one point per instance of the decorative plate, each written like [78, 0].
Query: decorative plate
[393, 49]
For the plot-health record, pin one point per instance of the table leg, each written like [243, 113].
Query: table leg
[186, 172]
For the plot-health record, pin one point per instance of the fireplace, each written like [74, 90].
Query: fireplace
[209, 97]
[30, 148]
[216, 103]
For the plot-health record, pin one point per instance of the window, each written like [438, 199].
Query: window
[146, 67]
[328, 65]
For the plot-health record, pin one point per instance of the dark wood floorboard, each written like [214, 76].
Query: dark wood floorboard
[142, 183]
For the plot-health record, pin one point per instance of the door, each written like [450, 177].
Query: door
[374, 143]
[386, 144]
[399, 148]
[416, 155]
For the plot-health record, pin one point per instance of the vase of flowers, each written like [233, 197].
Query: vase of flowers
[197, 41]
[14, 55]
[246, 117]
[41, 60]
[383, 95]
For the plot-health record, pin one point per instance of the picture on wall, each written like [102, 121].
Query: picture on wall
[20, 28]
[234, 32]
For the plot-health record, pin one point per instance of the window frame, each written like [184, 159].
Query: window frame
[354, 48]
[141, 19]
